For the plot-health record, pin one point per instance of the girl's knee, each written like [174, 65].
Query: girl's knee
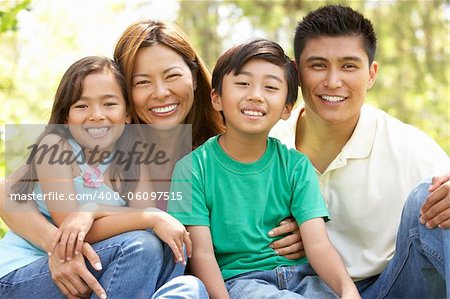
[143, 244]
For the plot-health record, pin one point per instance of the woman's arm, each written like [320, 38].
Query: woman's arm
[203, 262]
[325, 260]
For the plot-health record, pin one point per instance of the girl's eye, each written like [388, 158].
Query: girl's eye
[271, 87]
[80, 106]
[109, 104]
[173, 76]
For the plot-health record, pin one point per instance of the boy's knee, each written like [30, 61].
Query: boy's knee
[189, 286]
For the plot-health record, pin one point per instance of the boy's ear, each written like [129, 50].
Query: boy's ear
[286, 111]
[216, 100]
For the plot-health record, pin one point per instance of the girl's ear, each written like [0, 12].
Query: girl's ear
[216, 100]
[128, 119]
[286, 111]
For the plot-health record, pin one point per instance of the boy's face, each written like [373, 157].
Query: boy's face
[335, 75]
[254, 100]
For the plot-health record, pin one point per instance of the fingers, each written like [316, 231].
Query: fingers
[294, 256]
[286, 241]
[63, 245]
[188, 243]
[92, 256]
[284, 228]
[438, 181]
[92, 283]
[54, 241]
[71, 241]
[437, 216]
[294, 248]
[80, 242]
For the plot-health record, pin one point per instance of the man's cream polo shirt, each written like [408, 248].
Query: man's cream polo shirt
[367, 184]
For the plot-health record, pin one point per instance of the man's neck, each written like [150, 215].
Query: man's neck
[319, 140]
[245, 149]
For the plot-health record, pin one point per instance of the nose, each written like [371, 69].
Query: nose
[255, 94]
[333, 79]
[97, 113]
[160, 90]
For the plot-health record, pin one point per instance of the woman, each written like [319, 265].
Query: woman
[169, 84]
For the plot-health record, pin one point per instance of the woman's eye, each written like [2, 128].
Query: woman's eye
[142, 82]
[173, 76]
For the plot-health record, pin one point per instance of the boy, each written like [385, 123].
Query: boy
[242, 183]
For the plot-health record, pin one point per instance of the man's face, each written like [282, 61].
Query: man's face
[335, 75]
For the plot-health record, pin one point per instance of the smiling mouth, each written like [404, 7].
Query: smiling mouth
[98, 131]
[333, 99]
[253, 113]
[164, 110]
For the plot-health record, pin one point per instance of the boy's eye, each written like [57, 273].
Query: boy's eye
[242, 83]
[318, 66]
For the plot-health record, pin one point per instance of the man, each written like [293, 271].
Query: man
[367, 163]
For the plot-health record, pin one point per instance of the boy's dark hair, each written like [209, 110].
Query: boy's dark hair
[335, 20]
[235, 58]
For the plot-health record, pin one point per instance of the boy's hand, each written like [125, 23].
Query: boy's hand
[70, 235]
[172, 232]
[290, 246]
[435, 211]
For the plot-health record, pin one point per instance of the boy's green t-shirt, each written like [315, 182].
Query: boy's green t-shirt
[242, 202]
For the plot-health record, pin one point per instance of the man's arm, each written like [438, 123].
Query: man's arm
[325, 260]
[203, 262]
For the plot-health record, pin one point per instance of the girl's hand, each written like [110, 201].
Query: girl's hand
[172, 232]
[71, 233]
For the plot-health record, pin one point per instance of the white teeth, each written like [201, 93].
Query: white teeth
[165, 109]
[333, 98]
[97, 131]
[252, 113]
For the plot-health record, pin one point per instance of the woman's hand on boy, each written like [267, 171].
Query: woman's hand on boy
[73, 278]
[291, 245]
[174, 234]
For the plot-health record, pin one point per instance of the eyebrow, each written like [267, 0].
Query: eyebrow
[164, 72]
[265, 76]
[345, 58]
[105, 96]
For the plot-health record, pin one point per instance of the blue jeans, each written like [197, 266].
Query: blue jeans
[284, 282]
[135, 265]
[420, 267]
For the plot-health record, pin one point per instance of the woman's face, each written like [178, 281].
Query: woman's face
[162, 86]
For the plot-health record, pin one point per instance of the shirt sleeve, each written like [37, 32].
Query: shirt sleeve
[307, 202]
[190, 208]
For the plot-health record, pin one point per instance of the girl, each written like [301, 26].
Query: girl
[91, 102]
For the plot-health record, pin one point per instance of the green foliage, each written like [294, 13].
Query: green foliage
[3, 228]
[8, 14]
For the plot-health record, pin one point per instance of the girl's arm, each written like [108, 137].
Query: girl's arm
[203, 262]
[325, 260]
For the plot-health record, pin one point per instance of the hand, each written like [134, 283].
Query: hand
[73, 278]
[435, 211]
[70, 234]
[290, 246]
[172, 232]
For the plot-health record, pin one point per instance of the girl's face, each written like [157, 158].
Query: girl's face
[162, 86]
[97, 118]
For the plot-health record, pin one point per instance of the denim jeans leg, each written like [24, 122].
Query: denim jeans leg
[182, 287]
[31, 281]
[419, 268]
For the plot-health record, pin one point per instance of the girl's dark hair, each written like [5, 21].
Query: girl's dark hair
[69, 92]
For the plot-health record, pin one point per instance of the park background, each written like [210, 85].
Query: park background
[40, 39]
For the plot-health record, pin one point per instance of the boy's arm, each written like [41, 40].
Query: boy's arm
[203, 262]
[325, 260]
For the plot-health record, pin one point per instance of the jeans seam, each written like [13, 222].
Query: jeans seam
[116, 261]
